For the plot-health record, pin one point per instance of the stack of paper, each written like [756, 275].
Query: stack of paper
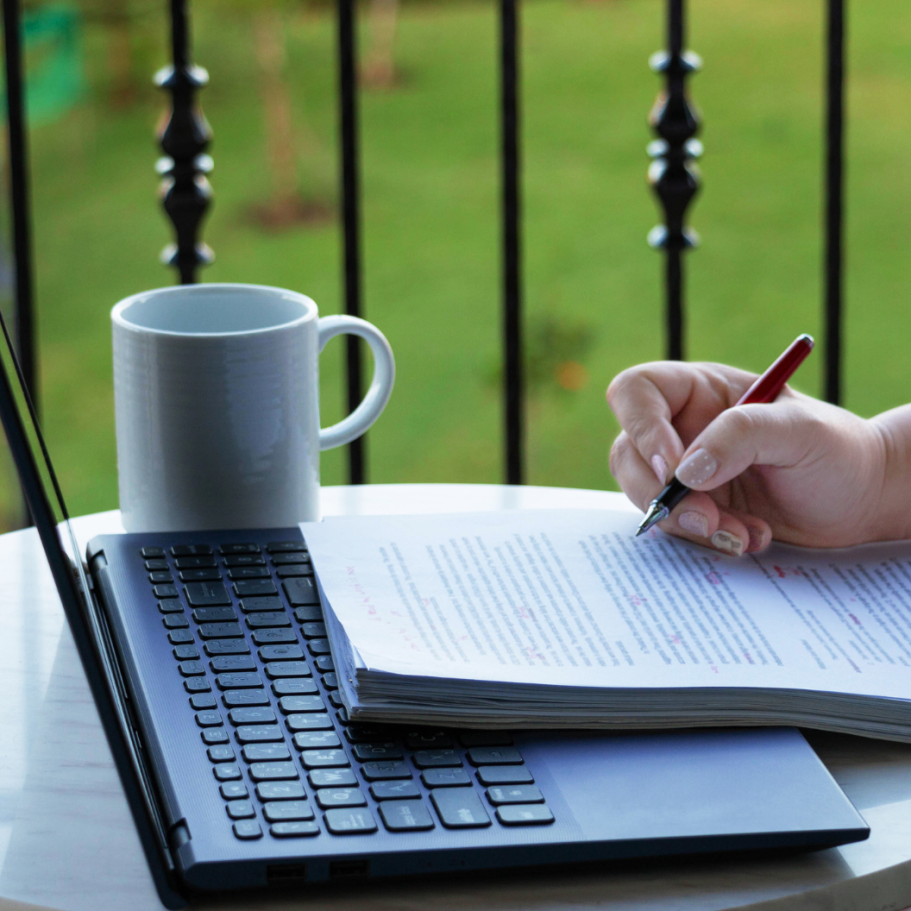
[561, 618]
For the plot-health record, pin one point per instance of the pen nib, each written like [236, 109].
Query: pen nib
[655, 514]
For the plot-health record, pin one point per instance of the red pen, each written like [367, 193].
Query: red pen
[763, 391]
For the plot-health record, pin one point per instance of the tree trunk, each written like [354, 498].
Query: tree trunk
[379, 69]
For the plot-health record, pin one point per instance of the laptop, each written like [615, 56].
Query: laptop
[207, 658]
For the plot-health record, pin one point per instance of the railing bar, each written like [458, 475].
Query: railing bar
[347, 57]
[834, 203]
[180, 34]
[511, 205]
[26, 341]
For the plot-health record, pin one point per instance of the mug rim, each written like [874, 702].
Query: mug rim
[119, 319]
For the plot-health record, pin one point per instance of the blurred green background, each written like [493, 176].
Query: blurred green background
[430, 189]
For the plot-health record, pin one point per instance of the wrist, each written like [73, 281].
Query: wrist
[891, 518]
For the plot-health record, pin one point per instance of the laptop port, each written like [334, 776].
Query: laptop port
[282, 874]
[348, 869]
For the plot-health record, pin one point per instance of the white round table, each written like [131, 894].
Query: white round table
[67, 839]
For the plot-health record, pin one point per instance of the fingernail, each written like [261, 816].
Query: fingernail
[757, 537]
[659, 466]
[694, 522]
[725, 541]
[697, 468]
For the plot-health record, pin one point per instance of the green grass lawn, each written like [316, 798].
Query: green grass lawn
[431, 230]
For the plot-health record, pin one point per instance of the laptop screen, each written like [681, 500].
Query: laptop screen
[36, 474]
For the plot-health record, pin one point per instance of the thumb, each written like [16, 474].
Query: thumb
[781, 434]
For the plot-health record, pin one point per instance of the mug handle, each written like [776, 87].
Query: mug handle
[351, 427]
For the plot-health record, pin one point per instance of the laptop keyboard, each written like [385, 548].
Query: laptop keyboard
[246, 629]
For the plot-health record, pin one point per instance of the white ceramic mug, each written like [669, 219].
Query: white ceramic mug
[216, 397]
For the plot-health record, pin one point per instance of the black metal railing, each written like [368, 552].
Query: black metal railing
[186, 193]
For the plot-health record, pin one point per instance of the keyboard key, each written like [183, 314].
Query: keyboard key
[340, 797]
[226, 647]
[435, 759]
[445, 778]
[265, 752]
[319, 721]
[234, 790]
[324, 663]
[227, 771]
[330, 681]
[269, 636]
[165, 591]
[316, 740]
[520, 793]
[153, 566]
[199, 575]
[238, 681]
[214, 735]
[504, 774]
[221, 631]
[311, 612]
[267, 621]
[494, 756]
[254, 605]
[365, 752]
[252, 716]
[206, 594]
[233, 698]
[248, 829]
[427, 740]
[342, 715]
[288, 810]
[197, 685]
[248, 572]
[175, 621]
[300, 591]
[240, 809]
[186, 653]
[273, 771]
[203, 701]
[366, 733]
[245, 560]
[150, 552]
[191, 668]
[292, 704]
[394, 790]
[281, 653]
[233, 663]
[318, 647]
[276, 669]
[190, 550]
[259, 733]
[293, 572]
[294, 687]
[209, 719]
[314, 630]
[459, 808]
[221, 754]
[160, 576]
[238, 549]
[350, 822]
[213, 614]
[281, 790]
[405, 816]
[335, 698]
[170, 607]
[178, 636]
[526, 814]
[332, 778]
[288, 559]
[285, 547]
[196, 563]
[294, 829]
[324, 759]
[245, 588]
[383, 771]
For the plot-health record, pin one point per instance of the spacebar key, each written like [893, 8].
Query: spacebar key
[459, 808]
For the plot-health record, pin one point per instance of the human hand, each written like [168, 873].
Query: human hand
[798, 469]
